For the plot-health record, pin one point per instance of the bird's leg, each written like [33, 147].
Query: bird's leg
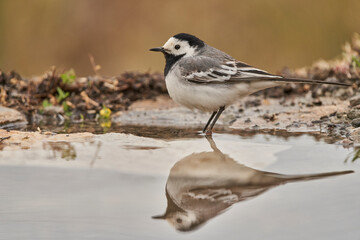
[212, 143]
[209, 131]
[209, 121]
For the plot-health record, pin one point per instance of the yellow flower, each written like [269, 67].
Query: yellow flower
[105, 112]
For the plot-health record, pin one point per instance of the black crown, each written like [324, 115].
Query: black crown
[191, 39]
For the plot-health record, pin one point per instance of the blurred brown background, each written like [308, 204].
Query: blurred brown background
[37, 34]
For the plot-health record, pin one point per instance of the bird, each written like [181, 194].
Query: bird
[199, 76]
[203, 185]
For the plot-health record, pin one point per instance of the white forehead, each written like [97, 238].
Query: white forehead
[172, 42]
[185, 47]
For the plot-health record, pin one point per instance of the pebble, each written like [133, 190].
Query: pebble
[8, 116]
[355, 122]
[355, 135]
[355, 101]
[354, 113]
[346, 142]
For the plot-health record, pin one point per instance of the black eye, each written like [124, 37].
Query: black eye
[178, 220]
[177, 46]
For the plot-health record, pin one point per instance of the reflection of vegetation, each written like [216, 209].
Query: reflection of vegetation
[66, 150]
[353, 155]
[66, 125]
[105, 118]
[105, 124]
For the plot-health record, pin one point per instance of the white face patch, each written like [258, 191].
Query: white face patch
[177, 47]
[182, 220]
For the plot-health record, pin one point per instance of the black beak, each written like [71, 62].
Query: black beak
[157, 49]
[159, 217]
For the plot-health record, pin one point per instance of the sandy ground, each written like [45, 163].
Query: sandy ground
[327, 115]
[296, 114]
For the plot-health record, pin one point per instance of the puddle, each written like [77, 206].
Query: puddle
[122, 186]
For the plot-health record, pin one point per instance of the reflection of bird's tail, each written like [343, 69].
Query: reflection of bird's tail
[306, 177]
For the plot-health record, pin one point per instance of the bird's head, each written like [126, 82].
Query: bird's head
[181, 44]
[182, 220]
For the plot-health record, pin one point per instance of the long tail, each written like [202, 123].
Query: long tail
[306, 177]
[310, 81]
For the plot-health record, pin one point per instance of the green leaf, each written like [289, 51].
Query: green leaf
[46, 103]
[66, 109]
[356, 61]
[68, 77]
[61, 94]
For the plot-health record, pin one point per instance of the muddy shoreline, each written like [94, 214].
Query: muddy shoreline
[58, 100]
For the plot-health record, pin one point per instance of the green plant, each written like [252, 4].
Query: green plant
[355, 155]
[61, 94]
[66, 109]
[68, 77]
[60, 98]
[46, 103]
[356, 61]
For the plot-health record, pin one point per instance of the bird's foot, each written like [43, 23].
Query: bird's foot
[208, 133]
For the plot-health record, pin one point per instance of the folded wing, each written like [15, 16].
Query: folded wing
[207, 70]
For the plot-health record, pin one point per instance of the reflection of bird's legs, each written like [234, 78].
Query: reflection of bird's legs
[212, 143]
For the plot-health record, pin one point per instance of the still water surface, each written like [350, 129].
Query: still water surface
[118, 186]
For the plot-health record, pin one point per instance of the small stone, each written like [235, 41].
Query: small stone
[346, 142]
[252, 103]
[355, 135]
[355, 101]
[316, 121]
[355, 122]
[340, 114]
[50, 110]
[11, 116]
[270, 117]
[324, 117]
[317, 102]
[354, 113]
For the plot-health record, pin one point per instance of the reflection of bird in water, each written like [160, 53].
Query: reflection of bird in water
[202, 185]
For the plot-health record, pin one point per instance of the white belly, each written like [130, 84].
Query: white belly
[199, 96]
[209, 97]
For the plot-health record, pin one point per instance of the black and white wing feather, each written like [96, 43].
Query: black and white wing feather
[206, 70]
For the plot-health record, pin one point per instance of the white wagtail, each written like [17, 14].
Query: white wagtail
[203, 77]
[203, 185]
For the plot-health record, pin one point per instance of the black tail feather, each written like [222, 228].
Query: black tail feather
[309, 81]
